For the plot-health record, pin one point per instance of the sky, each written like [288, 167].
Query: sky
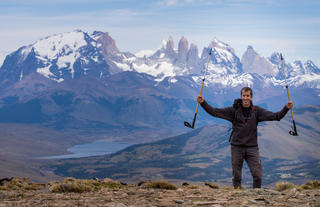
[291, 27]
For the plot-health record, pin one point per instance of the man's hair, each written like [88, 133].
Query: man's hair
[246, 89]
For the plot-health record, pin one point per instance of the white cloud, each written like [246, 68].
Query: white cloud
[168, 3]
[171, 3]
[54, 2]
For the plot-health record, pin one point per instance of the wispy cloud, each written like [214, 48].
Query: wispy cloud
[50, 2]
[169, 3]
[172, 3]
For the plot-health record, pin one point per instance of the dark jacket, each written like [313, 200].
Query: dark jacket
[244, 129]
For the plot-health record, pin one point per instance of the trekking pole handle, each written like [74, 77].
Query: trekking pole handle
[200, 94]
[289, 100]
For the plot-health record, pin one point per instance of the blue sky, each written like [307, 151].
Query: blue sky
[288, 26]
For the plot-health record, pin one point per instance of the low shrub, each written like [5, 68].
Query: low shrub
[21, 184]
[311, 185]
[82, 185]
[163, 185]
[282, 186]
[73, 185]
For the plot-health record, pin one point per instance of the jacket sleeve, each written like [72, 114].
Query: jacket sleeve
[264, 115]
[223, 113]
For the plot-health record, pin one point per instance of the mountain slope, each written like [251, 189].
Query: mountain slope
[204, 154]
[253, 62]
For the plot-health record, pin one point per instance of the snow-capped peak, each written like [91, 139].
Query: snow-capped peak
[51, 47]
[215, 43]
[63, 48]
[2, 57]
[252, 62]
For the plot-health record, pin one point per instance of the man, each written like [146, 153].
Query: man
[244, 117]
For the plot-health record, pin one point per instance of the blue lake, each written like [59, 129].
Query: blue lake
[91, 149]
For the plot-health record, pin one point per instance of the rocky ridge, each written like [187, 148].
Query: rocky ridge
[21, 192]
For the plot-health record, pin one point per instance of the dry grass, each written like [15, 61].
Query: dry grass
[282, 186]
[21, 184]
[310, 185]
[162, 185]
[82, 185]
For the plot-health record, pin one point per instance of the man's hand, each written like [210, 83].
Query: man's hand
[200, 99]
[289, 105]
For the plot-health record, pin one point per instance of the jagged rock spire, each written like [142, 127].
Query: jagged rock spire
[108, 45]
[182, 49]
[170, 48]
[193, 57]
[252, 62]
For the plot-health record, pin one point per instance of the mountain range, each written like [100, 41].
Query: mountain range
[80, 80]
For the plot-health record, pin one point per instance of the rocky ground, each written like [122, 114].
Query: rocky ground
[21, 192]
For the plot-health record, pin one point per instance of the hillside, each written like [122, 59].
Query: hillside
[203, 155]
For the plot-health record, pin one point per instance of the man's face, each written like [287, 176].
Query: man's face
[246, 99]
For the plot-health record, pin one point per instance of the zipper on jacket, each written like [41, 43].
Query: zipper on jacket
[246, 123]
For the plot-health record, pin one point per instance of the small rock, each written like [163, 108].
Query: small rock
[211, 185]
[262, 198]
[252, 201]
[259, 190]
[292, 193]
[204, 203]
[178, 201]
[4, 195]
[115, 205]
[143, 182]
[272, 192]
[185, 184]
[131, 193]
[4, 180]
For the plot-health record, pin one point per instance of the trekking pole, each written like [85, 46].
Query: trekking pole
[187, 124]
[294, 128]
